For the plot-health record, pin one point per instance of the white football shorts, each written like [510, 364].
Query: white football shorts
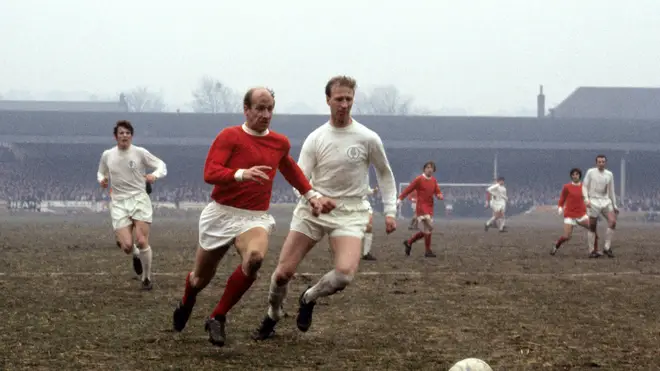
[124, 212]
[600, 207]
[220, 224]
[575, 221]
[349, 218]
[498, 205]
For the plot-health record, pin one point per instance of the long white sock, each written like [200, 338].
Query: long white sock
[276, 296]
[490, 221]
[609, 233]
[136, 251]
[145, 259]
[591, 241]
[502, 222]
[329, 284]
[366, 243]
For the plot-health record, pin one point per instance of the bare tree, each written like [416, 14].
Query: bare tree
[383, 100]
[141, 99]
[212, 96]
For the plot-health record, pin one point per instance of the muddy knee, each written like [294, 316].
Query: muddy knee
[198, 282]
[341, 279]
[253, 263]
[282, 277]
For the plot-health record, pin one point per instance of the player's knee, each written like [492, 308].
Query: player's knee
[253, 262]
[282, 276]
[125, 246]
[142, 241]
[341, 279]
[199, 282]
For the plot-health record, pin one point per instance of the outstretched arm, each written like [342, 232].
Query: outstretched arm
[384, 175]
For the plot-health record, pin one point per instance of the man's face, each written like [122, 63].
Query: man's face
[601, 162]
[428, 170]
[123, 137]
[575, 177]
[258, 115]
[340, 102]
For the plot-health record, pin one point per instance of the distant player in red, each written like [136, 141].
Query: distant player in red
[572, 206]
[426, 187]
[241, 165]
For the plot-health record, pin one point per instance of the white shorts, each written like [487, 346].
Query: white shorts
[576, 221]
[600, 207]
[423, 226]
[425, 217]
[124, 212]
[498, 206]
[220, 224]
[342, 221]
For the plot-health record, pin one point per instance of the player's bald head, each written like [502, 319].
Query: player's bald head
[259, 93]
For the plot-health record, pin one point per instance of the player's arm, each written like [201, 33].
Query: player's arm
[492, 189]
[562, 199]
[586, 182]
[408, 190]
[610, 191]
[153, 162]
[103, 171]
[215, 171]
[438, 192]
[384, 176]
[306, 160]
[295, 176]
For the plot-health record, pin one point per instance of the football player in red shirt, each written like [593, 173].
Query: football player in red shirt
[241, 165]
[572, 205]
[426, 187]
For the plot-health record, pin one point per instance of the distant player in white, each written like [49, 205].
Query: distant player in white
[123, 168]
[368, 232]
[598, 190]
[498, 199]
[336, 156]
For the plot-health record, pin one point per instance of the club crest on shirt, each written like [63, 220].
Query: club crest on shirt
[132, 164]
[354, 153]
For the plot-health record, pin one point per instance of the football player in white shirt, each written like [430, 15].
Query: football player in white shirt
[598, 190]
[498, 199]
[123, 168]
[336, 156]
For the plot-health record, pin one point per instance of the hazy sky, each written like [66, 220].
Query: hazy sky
[484, 56]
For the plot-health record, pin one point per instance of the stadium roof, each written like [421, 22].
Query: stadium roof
[610, 103]
[398, 131]
[66, 106]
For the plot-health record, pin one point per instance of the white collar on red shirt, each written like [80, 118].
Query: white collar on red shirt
[252, 132]
[426, 177]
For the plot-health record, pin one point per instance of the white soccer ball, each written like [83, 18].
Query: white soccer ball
[471, 364]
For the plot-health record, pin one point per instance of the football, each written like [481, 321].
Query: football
[471, 364]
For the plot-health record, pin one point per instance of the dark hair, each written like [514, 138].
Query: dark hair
[247, 98]
[123, 124]
[429, 163]
[342, 80]
[500, 178]
[601, 156]
[576, 170]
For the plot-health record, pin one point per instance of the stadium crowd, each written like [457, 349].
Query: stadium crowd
[71, 176]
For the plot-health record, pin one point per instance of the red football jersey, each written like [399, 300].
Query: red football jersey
[234, 149]
[572, 200]
[425, 188]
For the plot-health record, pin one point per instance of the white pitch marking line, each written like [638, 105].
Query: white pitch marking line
[366, 273]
